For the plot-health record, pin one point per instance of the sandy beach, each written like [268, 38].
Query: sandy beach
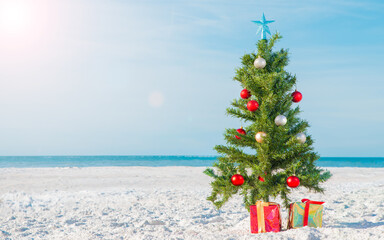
[169, 203]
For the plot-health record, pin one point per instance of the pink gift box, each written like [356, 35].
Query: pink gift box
[265, 217]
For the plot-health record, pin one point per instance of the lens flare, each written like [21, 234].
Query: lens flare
[156, 99]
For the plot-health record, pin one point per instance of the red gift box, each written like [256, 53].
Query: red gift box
[265, 217]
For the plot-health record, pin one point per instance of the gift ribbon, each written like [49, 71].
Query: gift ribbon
[260, 215]
[306, 209]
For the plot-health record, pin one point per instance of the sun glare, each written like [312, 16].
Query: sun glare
[14, 17]
[23, 27]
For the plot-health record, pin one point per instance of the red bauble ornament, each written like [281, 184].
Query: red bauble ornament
[261, 178]
[296, 96]
[293, 181]
[241, 131]
[244, 94]
[237, 180]
[252, 105]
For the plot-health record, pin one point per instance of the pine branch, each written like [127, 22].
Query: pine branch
[273, 40]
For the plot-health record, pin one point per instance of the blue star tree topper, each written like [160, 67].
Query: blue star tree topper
[263, 27]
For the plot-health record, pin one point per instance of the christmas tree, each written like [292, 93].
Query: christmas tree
[273, 154]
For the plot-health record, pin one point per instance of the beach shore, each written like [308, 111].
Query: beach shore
[169, 203]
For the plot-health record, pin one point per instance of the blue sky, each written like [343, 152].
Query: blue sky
[82, 77]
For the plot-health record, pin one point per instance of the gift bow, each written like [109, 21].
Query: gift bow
[306, 209]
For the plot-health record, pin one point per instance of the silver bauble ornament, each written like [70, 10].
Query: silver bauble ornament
[301, 137]
[280, 120]
[259, 62]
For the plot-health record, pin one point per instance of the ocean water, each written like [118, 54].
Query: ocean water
[158, 161]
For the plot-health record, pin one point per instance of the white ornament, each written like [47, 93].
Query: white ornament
[301, 137]
[280, 120]
[259, 136]
[259, 62]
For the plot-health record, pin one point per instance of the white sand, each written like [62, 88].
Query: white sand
[169, 203]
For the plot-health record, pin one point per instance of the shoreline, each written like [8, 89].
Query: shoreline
[155, 167]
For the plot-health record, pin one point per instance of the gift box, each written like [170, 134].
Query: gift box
[305, 213]
[265, 217]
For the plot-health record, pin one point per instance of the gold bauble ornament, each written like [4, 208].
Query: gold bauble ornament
[259, 136]
[301, 138]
